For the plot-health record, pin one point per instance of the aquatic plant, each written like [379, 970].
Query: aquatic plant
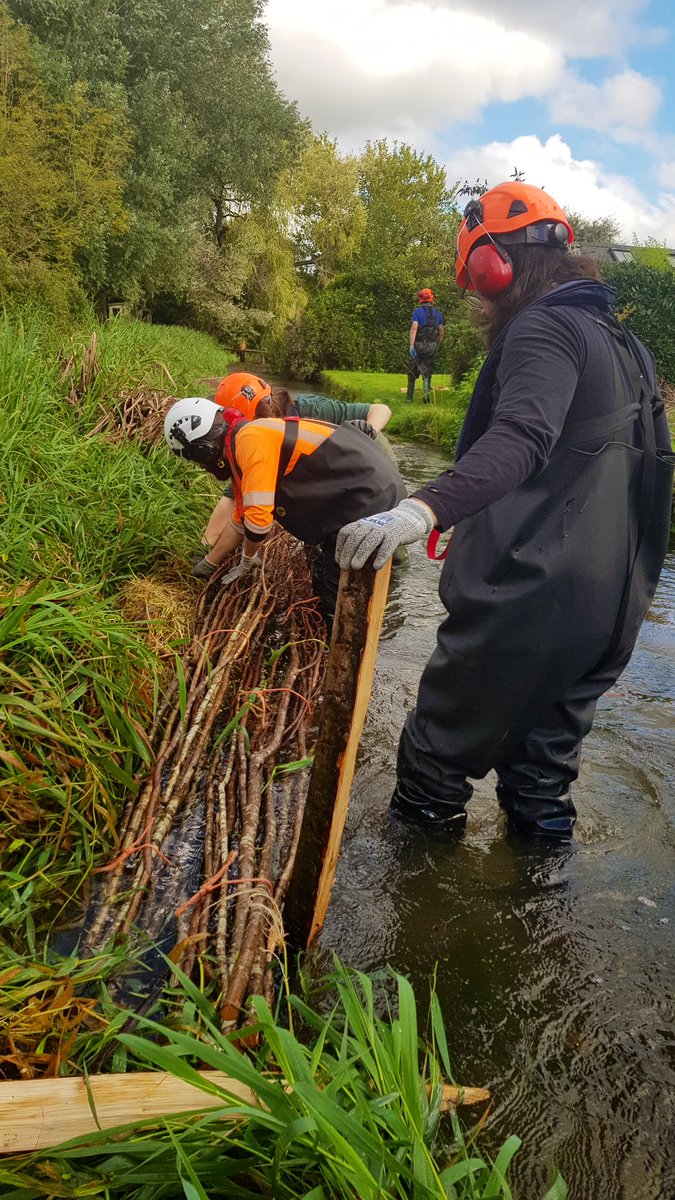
[352, 1103]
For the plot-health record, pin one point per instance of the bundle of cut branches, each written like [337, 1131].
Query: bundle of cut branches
[137, 413]
[207, 848]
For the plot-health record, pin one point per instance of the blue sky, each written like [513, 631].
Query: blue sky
[580, 97]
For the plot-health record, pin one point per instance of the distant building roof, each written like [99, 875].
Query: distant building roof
[614, 251]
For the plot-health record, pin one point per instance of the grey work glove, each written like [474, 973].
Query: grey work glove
[383, 532]
[243, 567]
[412, 353]
[201, 569]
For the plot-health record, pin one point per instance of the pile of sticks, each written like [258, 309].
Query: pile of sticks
[137, 413]
[207, 847]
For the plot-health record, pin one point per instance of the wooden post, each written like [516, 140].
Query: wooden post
[35, 1113]
[349, 679]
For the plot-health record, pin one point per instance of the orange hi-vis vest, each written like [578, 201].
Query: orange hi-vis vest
[310, 476]
[257, 466]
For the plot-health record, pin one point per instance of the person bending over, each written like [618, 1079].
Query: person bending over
[309, 476]
[255, 398]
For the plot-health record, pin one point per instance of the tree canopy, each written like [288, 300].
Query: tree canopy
[148, 155]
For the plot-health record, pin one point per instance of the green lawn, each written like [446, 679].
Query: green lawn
[438, 422]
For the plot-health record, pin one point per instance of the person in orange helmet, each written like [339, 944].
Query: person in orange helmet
[255, 398]
[427, 330]
[559, 499]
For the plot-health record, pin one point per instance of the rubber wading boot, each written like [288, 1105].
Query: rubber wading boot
[539, 816]
[411, 390]
[448, 821]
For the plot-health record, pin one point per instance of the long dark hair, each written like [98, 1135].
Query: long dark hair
[281, 403]
[536, 269]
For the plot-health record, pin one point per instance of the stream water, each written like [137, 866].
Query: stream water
[555, 970]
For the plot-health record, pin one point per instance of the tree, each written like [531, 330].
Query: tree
[324, 216]
[593, 229]
[361, 318]
[210, 131]
[61, 177]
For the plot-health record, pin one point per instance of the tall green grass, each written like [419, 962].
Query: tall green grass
[347, 1105]
[79, 516]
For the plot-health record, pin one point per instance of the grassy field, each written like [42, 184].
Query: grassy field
[438, 422]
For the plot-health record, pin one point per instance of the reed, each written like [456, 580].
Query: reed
[349, 1104]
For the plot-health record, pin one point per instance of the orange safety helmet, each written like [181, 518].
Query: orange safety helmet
[508, 213]
[243, 392]
[426, 296]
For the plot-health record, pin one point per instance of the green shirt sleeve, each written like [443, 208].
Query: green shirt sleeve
[322, 408]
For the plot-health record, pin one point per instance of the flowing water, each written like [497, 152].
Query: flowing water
[555, 970]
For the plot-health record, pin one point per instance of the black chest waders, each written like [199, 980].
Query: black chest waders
[545, 591]
[347, 477]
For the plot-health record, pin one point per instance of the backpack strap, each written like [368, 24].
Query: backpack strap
[291, 431]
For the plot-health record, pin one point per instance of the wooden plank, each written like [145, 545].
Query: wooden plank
[36, 1113]
[349, 678]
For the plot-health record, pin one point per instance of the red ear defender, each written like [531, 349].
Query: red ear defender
[490, 270]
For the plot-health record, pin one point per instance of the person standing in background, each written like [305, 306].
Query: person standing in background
[427, 331]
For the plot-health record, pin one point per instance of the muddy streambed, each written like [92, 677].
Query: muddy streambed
[555, 970]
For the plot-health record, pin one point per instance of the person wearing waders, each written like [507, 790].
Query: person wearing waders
[309, 476]
[560, 500]
[426, 334]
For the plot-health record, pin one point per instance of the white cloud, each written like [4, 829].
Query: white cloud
[364, 68]
[623, 105]
[667, 174]
[410, 68]
[578, 184]
[599, 29]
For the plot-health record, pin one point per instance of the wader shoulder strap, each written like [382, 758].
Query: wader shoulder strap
[576, 433]
[231, 456]
[640, 367]
[291, 430]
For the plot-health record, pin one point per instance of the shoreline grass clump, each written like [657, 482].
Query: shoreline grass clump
[81, 516]
[352, 1103]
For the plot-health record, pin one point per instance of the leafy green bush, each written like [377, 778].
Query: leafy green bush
[646, 300]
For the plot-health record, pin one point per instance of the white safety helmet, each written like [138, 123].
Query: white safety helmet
[189, 420]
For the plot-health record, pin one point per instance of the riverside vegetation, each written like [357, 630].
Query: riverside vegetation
[88, 512]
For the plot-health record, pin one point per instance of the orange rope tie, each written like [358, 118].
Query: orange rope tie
[209, 885]
[139, 844]
[263, 691]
